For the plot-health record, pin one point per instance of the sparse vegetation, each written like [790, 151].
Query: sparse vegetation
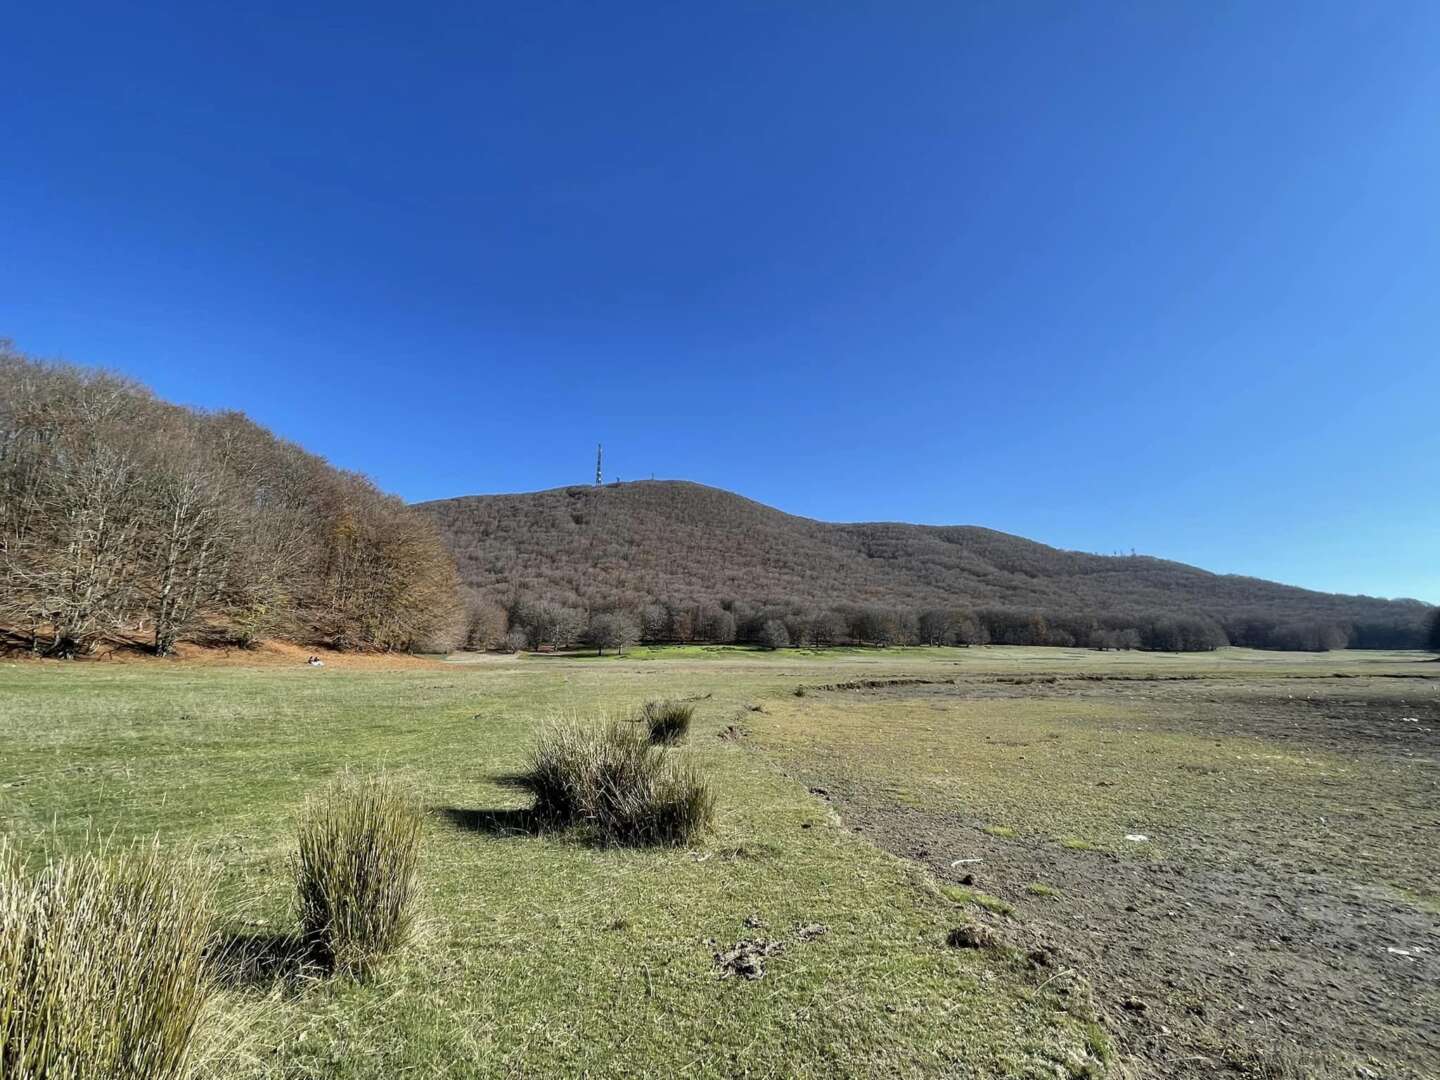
[1200, 767]
[961, 894]
[667, 722]
[1099, 1042]
[609, 778]
[103, 966]
[355, 869]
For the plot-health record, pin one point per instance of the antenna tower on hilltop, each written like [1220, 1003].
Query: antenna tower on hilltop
[599, 460]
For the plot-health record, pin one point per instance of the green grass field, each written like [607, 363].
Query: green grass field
[537, 956]
[542, 956]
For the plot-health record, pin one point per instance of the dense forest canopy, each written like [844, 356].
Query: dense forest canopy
[693, 563]
[123, 517]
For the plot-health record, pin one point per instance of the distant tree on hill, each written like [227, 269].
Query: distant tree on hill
[937, 626]
[827, 628]
[655, 623]
[485, 622]
[1115, 639]
[968, 630]
[1181, 633]
[612, 630]
[797, 626]
[773, 635]
[548, 624]
[717, 624]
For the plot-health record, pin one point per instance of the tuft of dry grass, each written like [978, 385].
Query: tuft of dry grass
[355, 871]
[103, 966]
[610, 778]
[667, 722]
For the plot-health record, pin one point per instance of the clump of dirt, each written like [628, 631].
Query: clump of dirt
[972, 936]
[746, 959]
[734, 733]
[1044, 955]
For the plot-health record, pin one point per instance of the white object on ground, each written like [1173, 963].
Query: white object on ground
[962, 862]
[1137, 837]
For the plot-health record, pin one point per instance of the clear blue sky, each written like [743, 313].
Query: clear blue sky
[1151, 275]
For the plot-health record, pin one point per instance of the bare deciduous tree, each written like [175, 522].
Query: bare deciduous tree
[612, 630]
[125, 517]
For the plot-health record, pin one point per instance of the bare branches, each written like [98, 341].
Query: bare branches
[122, 516]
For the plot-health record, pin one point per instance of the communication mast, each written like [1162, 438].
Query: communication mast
[599, 460]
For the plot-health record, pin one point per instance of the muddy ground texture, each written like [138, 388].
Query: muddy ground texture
[1233, 951]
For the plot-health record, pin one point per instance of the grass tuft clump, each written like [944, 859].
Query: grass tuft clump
[103, 966]
[667, 722]
[355, 869]
[610, 778]
[961, 895]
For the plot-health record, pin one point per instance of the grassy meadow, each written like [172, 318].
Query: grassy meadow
[541, 955]
[536, 955]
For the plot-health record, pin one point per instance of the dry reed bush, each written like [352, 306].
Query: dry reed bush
[103, 966]
[607, 777]
[355, 871]
[667, 722]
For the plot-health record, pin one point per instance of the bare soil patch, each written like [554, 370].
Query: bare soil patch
[266, 654]
[1230, 950]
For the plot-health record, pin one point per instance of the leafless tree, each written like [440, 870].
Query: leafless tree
[612, 630]
[773, 635]
[122, 515]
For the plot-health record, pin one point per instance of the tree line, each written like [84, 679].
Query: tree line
[547, 624]
[123, 517]
[552, 624]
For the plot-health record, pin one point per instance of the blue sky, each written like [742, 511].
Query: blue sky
[1112, 276]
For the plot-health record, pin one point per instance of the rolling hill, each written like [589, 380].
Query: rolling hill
[636, 544]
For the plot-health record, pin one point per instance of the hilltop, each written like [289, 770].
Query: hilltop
[676, 543]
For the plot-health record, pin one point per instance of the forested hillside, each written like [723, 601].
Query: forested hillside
[688, 562]
[126, 518]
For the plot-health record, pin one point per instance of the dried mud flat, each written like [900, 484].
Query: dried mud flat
[1231, 948]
